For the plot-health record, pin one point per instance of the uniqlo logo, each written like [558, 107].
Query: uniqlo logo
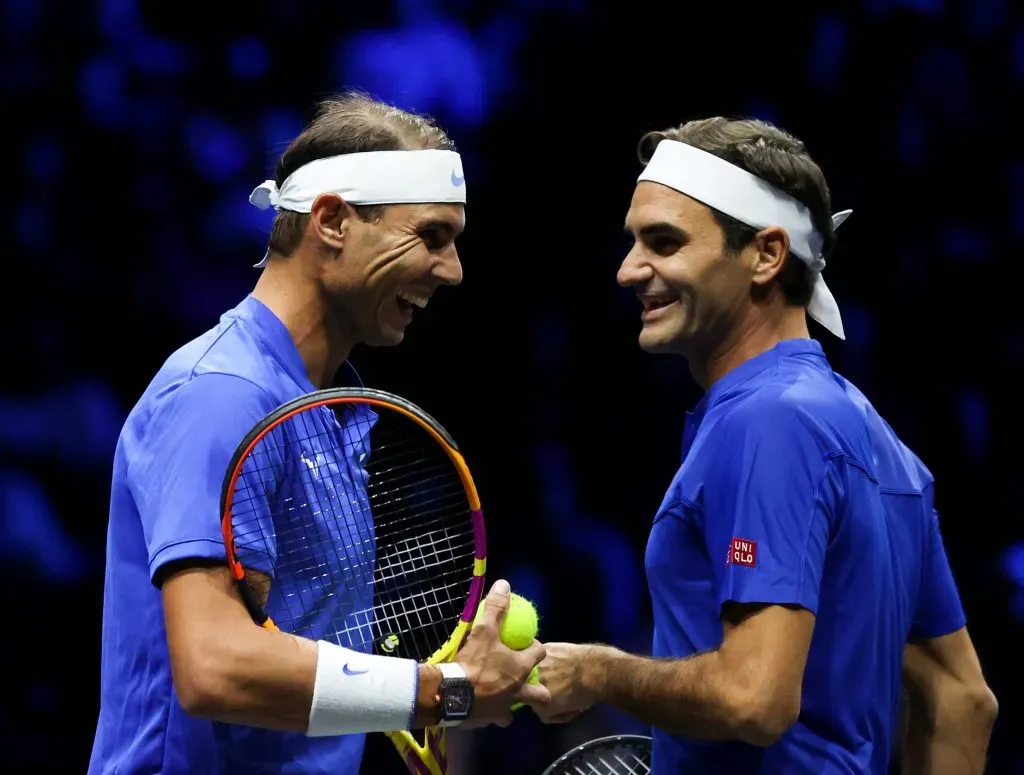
[742, 552]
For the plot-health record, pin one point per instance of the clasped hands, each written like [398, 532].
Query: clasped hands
[561, 673]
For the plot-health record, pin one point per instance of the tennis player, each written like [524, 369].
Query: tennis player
[370, 200]
[797, 549]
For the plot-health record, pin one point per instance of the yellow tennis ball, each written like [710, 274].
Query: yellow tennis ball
[519, 629]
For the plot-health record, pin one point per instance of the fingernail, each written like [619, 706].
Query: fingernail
[501, 587]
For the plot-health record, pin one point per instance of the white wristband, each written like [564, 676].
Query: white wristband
[355, 693]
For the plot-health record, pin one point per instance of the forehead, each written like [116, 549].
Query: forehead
[654, 203]
[419, 215]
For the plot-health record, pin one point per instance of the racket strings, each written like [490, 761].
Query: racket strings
[615, 762]
[364, 524]
[613, 759]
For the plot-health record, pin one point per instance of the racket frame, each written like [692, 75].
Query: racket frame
[429, 757]
[609, 741]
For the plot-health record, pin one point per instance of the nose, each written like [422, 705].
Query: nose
[634, 270]
[447, 267]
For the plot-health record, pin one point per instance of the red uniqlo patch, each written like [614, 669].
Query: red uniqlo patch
[742, 552]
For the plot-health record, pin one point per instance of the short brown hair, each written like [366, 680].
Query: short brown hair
[350, 123]
[776, 157]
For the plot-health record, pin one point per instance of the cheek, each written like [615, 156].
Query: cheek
[720, 276]
[389, 266]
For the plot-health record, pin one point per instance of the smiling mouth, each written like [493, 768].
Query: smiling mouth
[407, 302]
[652, 303]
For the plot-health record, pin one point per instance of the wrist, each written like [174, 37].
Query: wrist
[592, 671]
[428, 706]
[355, 693]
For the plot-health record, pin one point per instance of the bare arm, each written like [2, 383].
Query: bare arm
[747, 689]
[951, 708]
[227, 668]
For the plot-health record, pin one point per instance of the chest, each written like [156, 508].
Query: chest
[324, 516]
[677, 554]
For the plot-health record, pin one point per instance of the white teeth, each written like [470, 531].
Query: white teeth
[417, 301]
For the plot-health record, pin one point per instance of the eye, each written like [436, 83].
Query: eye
[434, 239]
[663, 245]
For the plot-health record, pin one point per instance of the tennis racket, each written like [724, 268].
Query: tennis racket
[614, 755]
[362, 510]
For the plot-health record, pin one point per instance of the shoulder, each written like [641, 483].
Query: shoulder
[895, 464]
[197, 407]
[207, 391]
[222, 366]
[782, 414]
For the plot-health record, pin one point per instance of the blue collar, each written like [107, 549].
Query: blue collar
[277, 338]
[759, 364]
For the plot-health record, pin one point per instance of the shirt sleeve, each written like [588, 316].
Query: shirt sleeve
[939, 610]
[178, 469]
[768, 503]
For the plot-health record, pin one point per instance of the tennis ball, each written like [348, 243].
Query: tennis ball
[519, 629]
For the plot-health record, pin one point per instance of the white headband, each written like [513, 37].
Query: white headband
[737, 193]
[370, 178]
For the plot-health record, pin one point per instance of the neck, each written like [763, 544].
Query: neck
[297, 298]
[756, 334]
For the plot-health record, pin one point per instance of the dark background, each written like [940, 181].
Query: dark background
[137, 131]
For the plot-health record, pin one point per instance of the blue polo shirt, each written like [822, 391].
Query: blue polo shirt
[793, 491]
[169, 465]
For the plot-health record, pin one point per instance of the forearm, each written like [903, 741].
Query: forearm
[267, 680]
[696, 697]
[264, 679]
[949, 733]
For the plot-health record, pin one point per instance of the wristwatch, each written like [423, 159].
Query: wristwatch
[455, 695]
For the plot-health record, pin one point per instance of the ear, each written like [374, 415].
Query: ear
[772, 251]
[327, 219]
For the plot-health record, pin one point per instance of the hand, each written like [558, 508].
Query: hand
[560, 674]
[498, 674]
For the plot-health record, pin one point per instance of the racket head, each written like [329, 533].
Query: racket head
[612, 755]
[361, 510]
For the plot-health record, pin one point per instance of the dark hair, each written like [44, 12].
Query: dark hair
[776, 157]
[350, 123]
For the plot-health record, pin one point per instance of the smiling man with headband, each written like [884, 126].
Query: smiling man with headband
[797, 550]
[369, 201]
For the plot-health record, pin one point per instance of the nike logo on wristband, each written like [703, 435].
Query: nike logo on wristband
[349, 671]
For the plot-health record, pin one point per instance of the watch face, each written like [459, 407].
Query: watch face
[457, 699]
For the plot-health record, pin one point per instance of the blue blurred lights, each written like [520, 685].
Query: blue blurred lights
[218, 150]
[434, 67]
[1013, 570]
[249, 58]
[102, 86]
[974, 422]
[828, 50]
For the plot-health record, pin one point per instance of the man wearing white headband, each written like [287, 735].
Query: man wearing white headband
[369, 201]
[797, 550]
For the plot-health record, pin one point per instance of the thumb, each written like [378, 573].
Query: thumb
[497, 603]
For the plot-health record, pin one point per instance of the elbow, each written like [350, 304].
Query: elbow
[965, 706]
[763, 719]
[202, 685]
[983, 705]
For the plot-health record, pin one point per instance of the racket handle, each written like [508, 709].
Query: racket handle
[428, 758]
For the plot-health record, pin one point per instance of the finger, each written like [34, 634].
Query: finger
[496, 604]
[534, 653]
[546, 716]
[533, 694]
[503, 721]
[562, 718]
